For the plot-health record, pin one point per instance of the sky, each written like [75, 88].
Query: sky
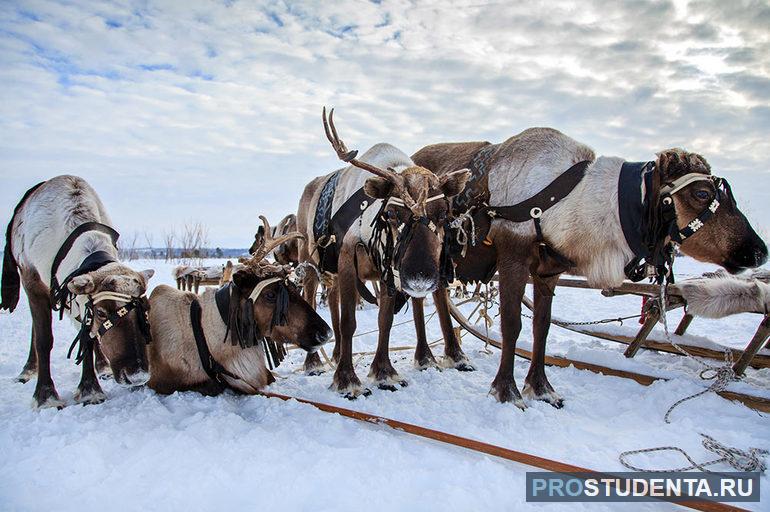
[186, 111]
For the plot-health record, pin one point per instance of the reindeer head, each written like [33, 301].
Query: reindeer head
[116, 296]
[265, 304]
[416, 209]
[727, 238]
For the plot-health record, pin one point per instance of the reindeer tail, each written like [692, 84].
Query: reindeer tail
[11, 283]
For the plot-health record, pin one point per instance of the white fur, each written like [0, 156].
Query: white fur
[723, 295]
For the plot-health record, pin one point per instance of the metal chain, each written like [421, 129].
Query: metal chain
[593, 322]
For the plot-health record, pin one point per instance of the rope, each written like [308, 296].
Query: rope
[740, 460]
[462, 235]
[722, 375]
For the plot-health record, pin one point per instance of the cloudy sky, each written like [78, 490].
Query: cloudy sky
[196, 110]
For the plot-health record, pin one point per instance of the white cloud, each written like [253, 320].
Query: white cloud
[178, 110]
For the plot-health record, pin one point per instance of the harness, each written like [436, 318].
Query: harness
[239, 319]
[387, 250]
[62, 298]
[648, 218]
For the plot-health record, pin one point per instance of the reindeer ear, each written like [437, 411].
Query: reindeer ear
[244, 279]
[378, 188]
[81, 285]
[147, 275]
[454, 182]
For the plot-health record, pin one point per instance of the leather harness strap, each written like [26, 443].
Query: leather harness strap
[213, 369]
[533, 208]
[67, 245]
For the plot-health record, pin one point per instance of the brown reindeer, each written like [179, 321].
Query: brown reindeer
[612, 215]
[287, 253]
[61, 241]
[221, 339]
[396, 239]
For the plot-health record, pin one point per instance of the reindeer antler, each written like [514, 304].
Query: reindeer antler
[269, 243]
[350, 156]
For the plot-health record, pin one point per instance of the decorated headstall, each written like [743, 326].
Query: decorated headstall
[62, 297]
[650, 225]
[236, 300]
[387, 244]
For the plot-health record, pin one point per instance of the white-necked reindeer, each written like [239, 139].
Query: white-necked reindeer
[61, 241]
[598, 223]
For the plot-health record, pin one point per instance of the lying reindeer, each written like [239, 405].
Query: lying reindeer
[61, 240]
[393, 231]
[286, 253]
[554, 207]
[222, 338]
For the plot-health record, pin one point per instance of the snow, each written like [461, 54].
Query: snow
[143, 451]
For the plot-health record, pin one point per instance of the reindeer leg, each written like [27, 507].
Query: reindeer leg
[313, 364]
[30, 367]
[423, 357]
[333, 299]
[89, 391]
[454, 357]
[40, 306]
[536, 385]
[382, 372]
[345, 380]
[513, 278]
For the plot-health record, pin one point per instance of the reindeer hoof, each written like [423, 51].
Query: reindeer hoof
[89, 396]
[353, 395]
[26, 375]
[47, 397]
[425, 363]
[546, 395]
[459, 363]
[390, 385]
[507, 392]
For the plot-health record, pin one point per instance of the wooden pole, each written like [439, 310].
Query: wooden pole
[762, 334]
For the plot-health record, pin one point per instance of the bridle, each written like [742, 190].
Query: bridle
[388, 243]
[85, 338]
[660, 232]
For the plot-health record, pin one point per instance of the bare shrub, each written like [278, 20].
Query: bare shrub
[127, 250]
[169, 237]
[193, 241]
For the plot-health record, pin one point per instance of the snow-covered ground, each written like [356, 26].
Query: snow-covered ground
[142, 451]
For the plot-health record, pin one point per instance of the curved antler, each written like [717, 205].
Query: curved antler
[350, 156]
[269, 243]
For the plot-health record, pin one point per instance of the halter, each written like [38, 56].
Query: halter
[387, 252]
[85, 338]
[651, 230]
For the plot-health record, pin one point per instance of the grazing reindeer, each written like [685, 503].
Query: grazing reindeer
[596, 217]
[61, 241]
[259, 312]
[394, 234]
[287, 253]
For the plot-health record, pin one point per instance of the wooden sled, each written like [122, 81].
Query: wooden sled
[743, 358]
[754, 402]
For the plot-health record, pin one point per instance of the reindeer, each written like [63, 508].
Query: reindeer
[600, 218]
[259, 312]
[397, 238]
[286, 253]
[60, 239]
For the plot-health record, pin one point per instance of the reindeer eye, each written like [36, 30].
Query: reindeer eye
[702, 195]
[392, 214]
[270, 296]
[101, 314]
